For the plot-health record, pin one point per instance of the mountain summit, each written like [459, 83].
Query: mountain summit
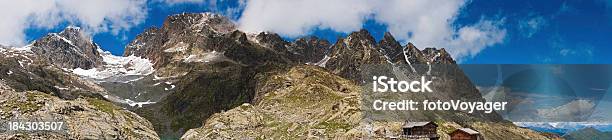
[70, 48]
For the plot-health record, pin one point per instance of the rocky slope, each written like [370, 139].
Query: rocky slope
[308, 102]
[68, 49]
[32, 88]
[25, 70]
[304, 102]
[84, 118]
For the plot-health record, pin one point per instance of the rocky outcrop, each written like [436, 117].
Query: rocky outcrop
[68, 49]
[82, 118]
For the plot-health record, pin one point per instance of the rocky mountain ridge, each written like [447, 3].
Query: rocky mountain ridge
[199, 65]
[68, 49]
[216, 71]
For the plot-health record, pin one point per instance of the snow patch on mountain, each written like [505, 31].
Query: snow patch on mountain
[323, 61]
[180, 47]
[204, 57]
[408, 61]
[63, 39]
[118, 66]
[137, 104]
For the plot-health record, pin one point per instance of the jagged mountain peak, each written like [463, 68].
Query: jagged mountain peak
[75, 35]
[438, 56]
[412, 51]
[309, 49]
[186, 29]
[272, 41]
[193, 18]
[70, 49]
[71, 29]
[362, 35]
[427, 55]
[267, 37]
[390, 47]
[387, 37]
[204, 23]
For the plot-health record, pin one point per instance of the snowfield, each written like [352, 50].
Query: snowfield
[117, 66]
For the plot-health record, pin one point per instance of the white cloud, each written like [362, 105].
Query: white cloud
[530, 26]
[216, 6]
[298, 17]
[426, 23]
[470, 40]
[565, 51]
[93, 15]
[173, 2]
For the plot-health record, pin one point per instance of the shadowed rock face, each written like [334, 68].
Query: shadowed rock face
[68, 49]
[309, 49]
[24, 70]
[391, 48]
[349, 54]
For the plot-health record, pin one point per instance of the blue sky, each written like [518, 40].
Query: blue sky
[524, 31]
